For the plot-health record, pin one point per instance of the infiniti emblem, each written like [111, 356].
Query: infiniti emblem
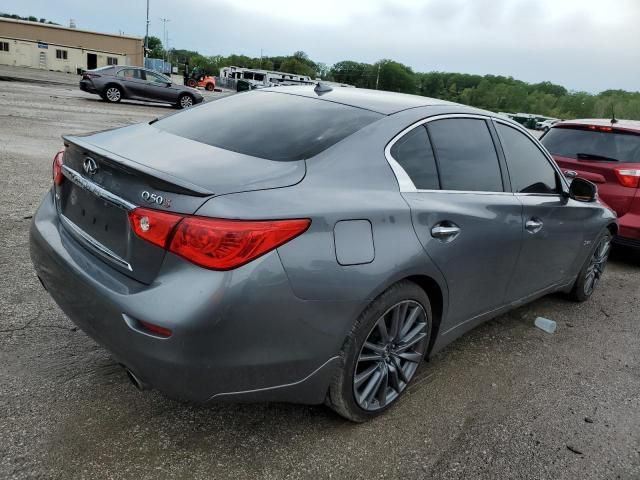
[90, 166]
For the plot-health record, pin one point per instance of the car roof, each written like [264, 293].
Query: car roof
[378, 101]
[633, 125]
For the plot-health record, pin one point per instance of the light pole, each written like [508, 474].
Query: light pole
[146, 36]
[164, 37]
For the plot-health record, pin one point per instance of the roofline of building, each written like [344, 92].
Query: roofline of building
[60, 27]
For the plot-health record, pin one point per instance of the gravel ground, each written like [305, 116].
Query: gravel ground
[505, 401]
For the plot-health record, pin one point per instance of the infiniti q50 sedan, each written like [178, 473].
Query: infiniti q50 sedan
[314, 247]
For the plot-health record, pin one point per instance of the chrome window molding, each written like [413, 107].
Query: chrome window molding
[96, 189]
[404, 181]
[101, 249]
[407, 185]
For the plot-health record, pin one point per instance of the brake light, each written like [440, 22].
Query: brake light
[214, 243]
[58, 176]
[90, 75]
[226, 244]
[600, 129]
[628, 177]
[153, 226]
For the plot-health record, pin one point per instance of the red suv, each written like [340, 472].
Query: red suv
[606, 152]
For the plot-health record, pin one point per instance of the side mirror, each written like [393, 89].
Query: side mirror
[169, 84]
[583, 190]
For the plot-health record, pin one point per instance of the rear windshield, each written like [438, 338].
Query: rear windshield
[593, 145]
[269, 125]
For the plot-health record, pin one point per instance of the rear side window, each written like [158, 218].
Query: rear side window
[269, 125]
[529, 169]
[467, 158]
[413, 152]
[130, 74]
[596, 145]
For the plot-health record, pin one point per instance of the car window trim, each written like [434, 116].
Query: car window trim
[404, 181]
[564, 186]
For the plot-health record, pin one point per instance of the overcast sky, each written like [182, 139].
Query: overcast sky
[589, 45]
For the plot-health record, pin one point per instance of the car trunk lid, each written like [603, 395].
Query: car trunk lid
[108, 175]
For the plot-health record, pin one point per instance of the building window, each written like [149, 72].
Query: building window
[61, 54]
[4, 46]
[112, 61]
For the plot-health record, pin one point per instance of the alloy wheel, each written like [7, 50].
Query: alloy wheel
[113, 94]
[597, 265]
[186, 101]
[390, 355]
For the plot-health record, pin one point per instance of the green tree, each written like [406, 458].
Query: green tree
[156, 50]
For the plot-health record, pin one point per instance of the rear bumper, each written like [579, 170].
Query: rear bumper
[87, 86]
[239, 335]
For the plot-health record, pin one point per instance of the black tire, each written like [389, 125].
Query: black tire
[592, 269]
[185, 100]
[343, 390]
[209, 87]
[112, 93]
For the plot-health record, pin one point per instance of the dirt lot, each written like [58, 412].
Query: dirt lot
[505, 401]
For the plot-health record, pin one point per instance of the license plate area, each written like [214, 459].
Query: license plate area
[96, 218]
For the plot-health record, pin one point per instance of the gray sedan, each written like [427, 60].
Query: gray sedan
[117, 83]
[314, 247]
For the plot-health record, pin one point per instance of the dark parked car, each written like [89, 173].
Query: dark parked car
[607, 154]
[117, 83]
[314, 247]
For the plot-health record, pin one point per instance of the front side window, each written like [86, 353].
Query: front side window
[156, 78]
[529, 168]
[466, 156]
[414, 154]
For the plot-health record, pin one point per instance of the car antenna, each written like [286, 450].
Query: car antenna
[322, 88]
[613, 115]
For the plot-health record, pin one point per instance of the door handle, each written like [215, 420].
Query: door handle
[533, 225]
[445, 231]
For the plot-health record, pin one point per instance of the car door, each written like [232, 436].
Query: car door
[133, 82]
[553, 224]
[159, 88]
[468, 223]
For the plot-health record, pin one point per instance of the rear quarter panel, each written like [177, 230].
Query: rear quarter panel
[350, 181]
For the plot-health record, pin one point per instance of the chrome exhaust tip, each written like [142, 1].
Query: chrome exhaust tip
[139, 384]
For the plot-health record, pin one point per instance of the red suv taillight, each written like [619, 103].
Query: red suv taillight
[58, 176]
[628, 177]
[214, 243]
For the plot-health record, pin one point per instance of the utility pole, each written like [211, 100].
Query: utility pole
[378, 75]
[146, 37]
[164, 37]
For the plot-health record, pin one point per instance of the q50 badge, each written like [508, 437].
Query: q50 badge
[155, 199]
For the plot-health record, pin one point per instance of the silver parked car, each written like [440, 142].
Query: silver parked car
[314, 247]
[117, 83]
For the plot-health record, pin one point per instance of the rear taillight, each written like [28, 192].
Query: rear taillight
[214, 243]
[628, 177]
[88, 76]
[152, 225]
[58, 176]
